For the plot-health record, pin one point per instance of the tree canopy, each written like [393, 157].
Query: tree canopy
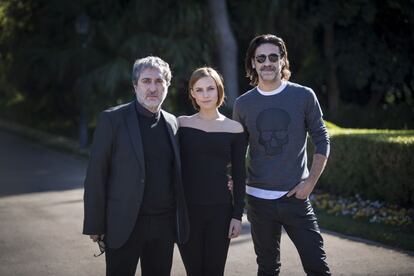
[356, 55]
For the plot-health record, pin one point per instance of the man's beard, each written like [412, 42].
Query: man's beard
[151, 104]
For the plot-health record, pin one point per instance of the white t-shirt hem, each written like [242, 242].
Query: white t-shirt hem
[264, 194]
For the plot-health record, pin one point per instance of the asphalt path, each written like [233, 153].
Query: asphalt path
[41, 214]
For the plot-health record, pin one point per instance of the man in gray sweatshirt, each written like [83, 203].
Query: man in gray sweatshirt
[277, 116]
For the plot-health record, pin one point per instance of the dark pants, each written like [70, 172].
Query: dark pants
[298, 219]
[151, 241]
[205, 253]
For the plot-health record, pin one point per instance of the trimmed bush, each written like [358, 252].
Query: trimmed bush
[376, 164]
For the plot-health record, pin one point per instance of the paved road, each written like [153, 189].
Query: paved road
[41, 218]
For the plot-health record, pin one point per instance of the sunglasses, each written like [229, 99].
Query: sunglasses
[101, 245]
[272, 58]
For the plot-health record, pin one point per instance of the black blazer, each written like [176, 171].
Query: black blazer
[115, 179]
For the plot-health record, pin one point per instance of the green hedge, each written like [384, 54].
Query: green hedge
[377, 164]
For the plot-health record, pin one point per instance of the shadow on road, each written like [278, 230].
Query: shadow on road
[367, 242]
[26, 167]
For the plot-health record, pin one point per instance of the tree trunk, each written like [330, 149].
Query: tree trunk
[227, 48]
[83, 118]
[332, 78]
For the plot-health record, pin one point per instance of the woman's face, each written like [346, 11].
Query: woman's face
[205, 93]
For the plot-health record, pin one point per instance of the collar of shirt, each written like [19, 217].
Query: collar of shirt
[146, 113]
[273, 92]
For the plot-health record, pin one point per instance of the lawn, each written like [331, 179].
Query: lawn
[395, 236]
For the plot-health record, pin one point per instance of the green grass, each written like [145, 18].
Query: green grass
[405, 136]
[395, 236]
[331, 126]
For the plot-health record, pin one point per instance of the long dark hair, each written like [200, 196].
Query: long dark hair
[256, 42]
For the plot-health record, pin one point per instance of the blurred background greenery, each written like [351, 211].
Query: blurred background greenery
[63, 61]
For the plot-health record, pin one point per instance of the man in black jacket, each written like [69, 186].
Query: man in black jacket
[133, 197]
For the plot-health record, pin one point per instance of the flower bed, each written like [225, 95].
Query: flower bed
[358, 208]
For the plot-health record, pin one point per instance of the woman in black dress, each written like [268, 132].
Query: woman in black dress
[210, 142]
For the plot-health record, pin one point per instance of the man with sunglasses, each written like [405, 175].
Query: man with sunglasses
[277, 116]
[134, 200]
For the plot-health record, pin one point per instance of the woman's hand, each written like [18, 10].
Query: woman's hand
[235, 228]
[96, 238]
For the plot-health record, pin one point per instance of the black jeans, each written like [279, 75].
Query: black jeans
[298, 219]
[151, 241]
[205, 253]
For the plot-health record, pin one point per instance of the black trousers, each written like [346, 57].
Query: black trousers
[152, 242]
[205, 253]
[298, 219]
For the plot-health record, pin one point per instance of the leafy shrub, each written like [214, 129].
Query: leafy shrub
[376, 164]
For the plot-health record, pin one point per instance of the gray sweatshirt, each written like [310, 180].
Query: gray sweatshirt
[277, 127]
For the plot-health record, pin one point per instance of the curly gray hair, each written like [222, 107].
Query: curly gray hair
[151, 62]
